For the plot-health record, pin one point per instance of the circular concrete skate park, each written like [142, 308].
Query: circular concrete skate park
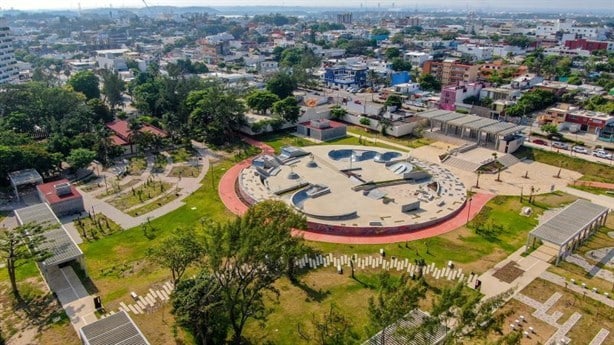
[355, 190]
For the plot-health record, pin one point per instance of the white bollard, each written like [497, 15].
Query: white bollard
[531, 330]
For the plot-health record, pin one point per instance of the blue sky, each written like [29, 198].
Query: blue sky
[518, 4]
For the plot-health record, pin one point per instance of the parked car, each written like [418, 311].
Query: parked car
[602, 154]
[357, 101]
[560, 145]
[580, 149]
[540, 142]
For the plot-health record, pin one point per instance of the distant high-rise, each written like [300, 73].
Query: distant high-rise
[344, 18]
[8, 65]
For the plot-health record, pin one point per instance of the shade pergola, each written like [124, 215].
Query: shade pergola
[570, 227]
[115, 329]
[24, 177]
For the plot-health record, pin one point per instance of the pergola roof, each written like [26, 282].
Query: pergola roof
[448, 117]
[26, 176]
[461, 121]
[58, 244]
[415, 318]
[497, 127]
[483, 122]
[114, 329]
[433, 113]
[512, 130]
[561, 228]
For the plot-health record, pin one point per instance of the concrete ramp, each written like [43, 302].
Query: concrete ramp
[546, 252]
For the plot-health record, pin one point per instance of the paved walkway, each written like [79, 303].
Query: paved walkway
[187, 186]
[73, 297]
[558, 280]
[603, 200]
[532, 266]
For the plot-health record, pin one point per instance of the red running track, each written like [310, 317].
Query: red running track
[231, 200]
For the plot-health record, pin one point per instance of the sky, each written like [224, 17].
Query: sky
[474, 4]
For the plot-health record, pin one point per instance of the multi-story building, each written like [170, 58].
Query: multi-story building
[452, 94]
[344, 18]
[417, 59]
[566, 115]
[346, 76]
[450, 71]
[589, 45]
[8, 65]
[476, 52]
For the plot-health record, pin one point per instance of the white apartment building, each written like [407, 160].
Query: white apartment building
[8, 65]
[476, 52]
[417, 58]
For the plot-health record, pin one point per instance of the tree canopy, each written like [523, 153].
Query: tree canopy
[287, 109]
[261, 100]
[281, 84]
[85, 82]
[428, 82]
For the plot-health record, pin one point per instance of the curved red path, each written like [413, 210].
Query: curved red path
[228, 194]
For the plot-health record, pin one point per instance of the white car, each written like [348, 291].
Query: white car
[580, 149]
[602, 154]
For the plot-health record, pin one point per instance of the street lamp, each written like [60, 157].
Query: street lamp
[470, 198]
[477, 181]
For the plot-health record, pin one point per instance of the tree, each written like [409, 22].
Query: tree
[394, 101]
[18, 247]
[214, 114]
[428, 82]
[178, 252]
[100, 111]
[261, 100]
[85, 82]
[395, 299]
[246, 256]
[332, 328]
[392, 53]
[112, 88]
[80, 158]
[287, 109]
[281, 84]
[398, 64]
[365, 121]
[198, 306]
[550, 128]
[337, 113]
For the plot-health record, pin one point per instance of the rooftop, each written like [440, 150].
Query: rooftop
[122, 129]
[567, 223]
[115, 329]
[48, 190]
[59, 244]
[415, 318]
[26, 176]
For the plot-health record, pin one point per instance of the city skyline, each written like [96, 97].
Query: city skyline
[472, 4]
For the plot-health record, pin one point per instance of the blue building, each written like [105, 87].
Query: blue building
[346, 76]
[401, 77]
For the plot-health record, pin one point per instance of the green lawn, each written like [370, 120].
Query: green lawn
[407, 140]
[181, 155]
[154, 204]
[184, 171]
[137, 165]
[113, 187]
[139, 195]
[280, 139]
[594, 190]
[592, 171]
[92, 229]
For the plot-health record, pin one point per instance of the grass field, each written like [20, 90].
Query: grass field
[114, 187]
[139, 195]
[280, 139]
[184, 171]
[594, 190]
[181, 155]
[92, 229]
[592, 171]
[154, 204]
[137, 165]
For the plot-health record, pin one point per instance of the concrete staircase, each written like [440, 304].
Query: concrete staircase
[462, 164]
[508, 160]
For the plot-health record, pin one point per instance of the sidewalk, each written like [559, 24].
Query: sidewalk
[603, 200]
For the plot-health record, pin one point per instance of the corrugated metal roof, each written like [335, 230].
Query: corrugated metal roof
[114, 329]
[567, 223]
[58, 243]
[483, 122]
[433, 113]
[498, 127]
[414, 318]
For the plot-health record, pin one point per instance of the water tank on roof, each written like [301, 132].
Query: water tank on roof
[62, 189]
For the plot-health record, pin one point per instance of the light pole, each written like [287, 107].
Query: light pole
[470, 198]
[477, 181]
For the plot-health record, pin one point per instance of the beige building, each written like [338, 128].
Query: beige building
[450, 71]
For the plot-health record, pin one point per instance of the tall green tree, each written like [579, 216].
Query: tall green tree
[112, 88]
[18, 247]
[287, 109]
[395, 299]
[331, 328]
[85, 82]
[178, 252]
[281, 84]
[215, 114]
[428, 82]
[198, 305]
[80, 158]
[261, 100]
[246, 256]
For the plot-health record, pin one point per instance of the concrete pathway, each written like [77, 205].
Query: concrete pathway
[187, 186]
[558, 280]
[73, 297]
[532, 266]
[603, 200]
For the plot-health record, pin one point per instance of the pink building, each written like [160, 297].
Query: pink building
[456, 93]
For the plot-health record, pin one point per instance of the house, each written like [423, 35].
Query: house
[62, 197]
[344, 76]
[452, 94]
[417, 59]
[112, 59]
[323, 130]
[122, 135]
[476, 52]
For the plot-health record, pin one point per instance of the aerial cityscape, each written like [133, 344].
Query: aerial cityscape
[306, 172]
